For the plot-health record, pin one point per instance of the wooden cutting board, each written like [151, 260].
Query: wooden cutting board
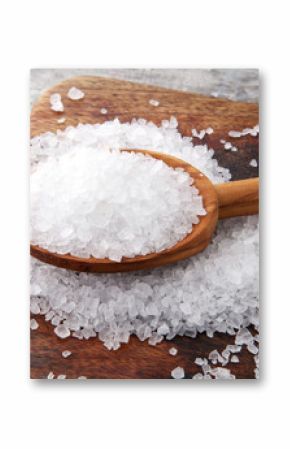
[127, 100]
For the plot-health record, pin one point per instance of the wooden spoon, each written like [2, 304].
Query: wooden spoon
[220, 201]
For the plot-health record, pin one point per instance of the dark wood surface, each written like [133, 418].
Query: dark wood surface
[126, 100]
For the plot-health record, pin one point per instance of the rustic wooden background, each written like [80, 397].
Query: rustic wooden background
[126, 100]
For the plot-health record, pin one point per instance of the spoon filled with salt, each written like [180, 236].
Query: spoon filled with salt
[219, 201]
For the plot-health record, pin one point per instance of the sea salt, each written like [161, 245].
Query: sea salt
[251, 131]
[62, 331]
[111, 204]
[218, 286]
[61, 120]
[33, 324]
[154, 102]
[50, 375]
[56, 103]
[253, 163]
[103, 111]
[66, 354]
[173, 351]
[75, 94]
[235, 359]
[177, 373]
[199, 361]
[61, 376]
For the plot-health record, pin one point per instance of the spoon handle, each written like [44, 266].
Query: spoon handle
[238, 198]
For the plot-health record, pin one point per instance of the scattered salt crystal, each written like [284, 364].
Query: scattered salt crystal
[252, 348]
[62, 331]
[66, 354]
[228, 146]
[33, 324]
[61, 376]
[222, 141]
[50, 375]
[199, 361]
[252, 131]
[244, 337]
[103, 111]
[253, 163]
[154, 102]
[82, 377]
[75, 94]
[209, 130]
[56, 103]
[198, 376]
[222, 373]
[177, 373]
[234, 149]
[235, 359]
[173, 351]
[235, 134]
[61, 120]
[234, 348]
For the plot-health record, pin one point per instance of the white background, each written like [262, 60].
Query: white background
[144, 34]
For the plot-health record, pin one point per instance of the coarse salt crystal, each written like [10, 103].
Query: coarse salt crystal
[56, 103]
[177, 373]
[33, 324]
[173, 351]
[62, 331]
[66, 354]
[253, 163]
[50, 375]
[61, 120]
[61, 376]
[103, 111]
[154, 102]
[75, 94]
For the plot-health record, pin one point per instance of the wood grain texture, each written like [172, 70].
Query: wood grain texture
[127, 100]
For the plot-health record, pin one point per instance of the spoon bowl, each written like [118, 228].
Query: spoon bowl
[220, 201]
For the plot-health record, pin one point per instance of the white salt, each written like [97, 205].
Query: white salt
[33, 324]
[62, 331]
[66, 354]
[61, 120]
[219, 286]
[56, 103]
[61, 376]
[154, 102]
[173, 351]
[228, 146]
[199, 361]
[253, 163]
[75, 94]
[111, 204]
[252, 348]
[103, 111]
[50, 375]
[251, 131]
[235, 359]
[177, 373]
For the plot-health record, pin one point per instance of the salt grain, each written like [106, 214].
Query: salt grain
[75, 94]
[66, 354]
[61, 376]
[173, 351]
[235, 359]
[61, 120]
[177, 373]
[103, 111]
[62, 331]
[50, 375]
[154, 102]
[33, 324]
[253, 163]
[56, 103]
